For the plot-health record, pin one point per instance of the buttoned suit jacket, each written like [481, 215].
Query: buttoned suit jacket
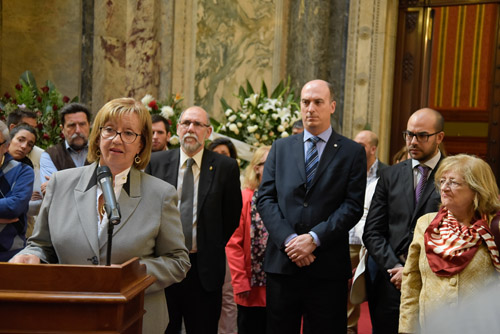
[330, 208]
[393, 214]
[66, 231]
[218, 210]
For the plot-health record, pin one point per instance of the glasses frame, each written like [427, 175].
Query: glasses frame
[412, 135]
[118, 133]
[452, 184]
[196, 124]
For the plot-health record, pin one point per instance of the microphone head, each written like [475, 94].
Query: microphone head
[102, 172]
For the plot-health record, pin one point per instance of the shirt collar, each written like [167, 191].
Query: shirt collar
[325, 135]
[431, 163]
[197, 158]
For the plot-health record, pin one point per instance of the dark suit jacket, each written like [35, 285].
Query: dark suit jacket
[219, 207]
[393, 215]
[330, 208]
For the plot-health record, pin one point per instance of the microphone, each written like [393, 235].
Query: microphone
[110, 204]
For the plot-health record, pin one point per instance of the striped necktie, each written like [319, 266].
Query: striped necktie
[312, 160]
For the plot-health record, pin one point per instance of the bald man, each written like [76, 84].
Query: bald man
[369, 140]
[215, 203]
[311, 195]
[404, 193]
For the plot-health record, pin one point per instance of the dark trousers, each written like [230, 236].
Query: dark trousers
[383, 300]
[188, 300]
[251, 320]
[321, 302]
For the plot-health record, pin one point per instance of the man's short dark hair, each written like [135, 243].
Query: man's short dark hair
[15, 117]
[73, 108]
[22, 126]
[227, 142]
[298, 124]
[159, 118]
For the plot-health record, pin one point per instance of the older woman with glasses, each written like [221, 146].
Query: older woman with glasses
[453, 253]
[71, 227]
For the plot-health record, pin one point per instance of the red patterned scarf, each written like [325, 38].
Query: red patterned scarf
[450, 246]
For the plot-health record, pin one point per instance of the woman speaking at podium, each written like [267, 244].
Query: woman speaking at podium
[72, 225]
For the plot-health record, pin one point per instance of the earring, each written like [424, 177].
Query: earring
[137, 159]
[98, 153]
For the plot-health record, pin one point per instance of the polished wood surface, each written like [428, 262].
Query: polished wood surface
[72, 299]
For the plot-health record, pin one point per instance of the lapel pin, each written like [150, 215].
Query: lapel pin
[334, 145]
[211, 168]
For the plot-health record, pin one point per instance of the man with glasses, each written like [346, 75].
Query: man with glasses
[16, 185]
[404, 192]
[210, 203]
[72, 152]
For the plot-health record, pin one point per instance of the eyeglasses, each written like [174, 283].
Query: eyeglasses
[450, 183]
[185, 124]
[109, 133]
[422, 137]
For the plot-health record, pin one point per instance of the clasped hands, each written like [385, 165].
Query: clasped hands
[300, 250]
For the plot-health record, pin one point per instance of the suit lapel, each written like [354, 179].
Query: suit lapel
[408, 184]
[86, 197]
[428, 190]
[128, 201]
[331, 148]
[207, 172]
[172, 167]
[298, 155]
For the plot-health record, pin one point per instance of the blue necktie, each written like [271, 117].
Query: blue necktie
[312, 160]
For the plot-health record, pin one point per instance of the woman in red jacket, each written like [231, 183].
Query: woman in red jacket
[245, 253]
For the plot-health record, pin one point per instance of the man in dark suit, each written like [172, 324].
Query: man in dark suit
[311, 195]
[369, 140]
[215, 207]
[404, 192]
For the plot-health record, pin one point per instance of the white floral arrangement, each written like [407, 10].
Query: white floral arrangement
[260, 120]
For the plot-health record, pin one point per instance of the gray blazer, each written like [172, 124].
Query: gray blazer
[66, 231]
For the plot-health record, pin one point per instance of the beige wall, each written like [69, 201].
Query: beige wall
[44, 37]
[203, 49]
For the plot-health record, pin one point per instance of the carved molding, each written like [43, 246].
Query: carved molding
[408, 66]
[411, 21]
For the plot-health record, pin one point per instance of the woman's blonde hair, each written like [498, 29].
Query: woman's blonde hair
[251, 180]
[115, 109]
[478, 176]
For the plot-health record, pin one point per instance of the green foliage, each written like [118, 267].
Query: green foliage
[46, 102]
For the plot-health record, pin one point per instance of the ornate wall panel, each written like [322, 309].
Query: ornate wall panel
[370, 57]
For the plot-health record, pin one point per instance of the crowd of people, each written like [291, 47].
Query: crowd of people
[275, 255]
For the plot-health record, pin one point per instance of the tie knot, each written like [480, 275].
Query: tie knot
[314, 139]
[423, 169]
[189, 162]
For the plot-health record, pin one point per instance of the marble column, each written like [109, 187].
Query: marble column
[317, 42]
[370, 70]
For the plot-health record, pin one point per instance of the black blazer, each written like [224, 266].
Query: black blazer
[393, 215]
[219, 208]
[330, 208]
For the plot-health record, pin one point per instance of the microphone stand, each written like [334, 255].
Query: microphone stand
[114, 218]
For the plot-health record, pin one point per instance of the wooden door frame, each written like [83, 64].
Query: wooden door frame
[411, 72]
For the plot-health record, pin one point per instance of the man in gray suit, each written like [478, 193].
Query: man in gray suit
[212, 181]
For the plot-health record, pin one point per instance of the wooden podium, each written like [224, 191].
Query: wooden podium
[72, 299]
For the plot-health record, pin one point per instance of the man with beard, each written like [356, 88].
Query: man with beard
[72, 152]
[210, 203]
[404, 192]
